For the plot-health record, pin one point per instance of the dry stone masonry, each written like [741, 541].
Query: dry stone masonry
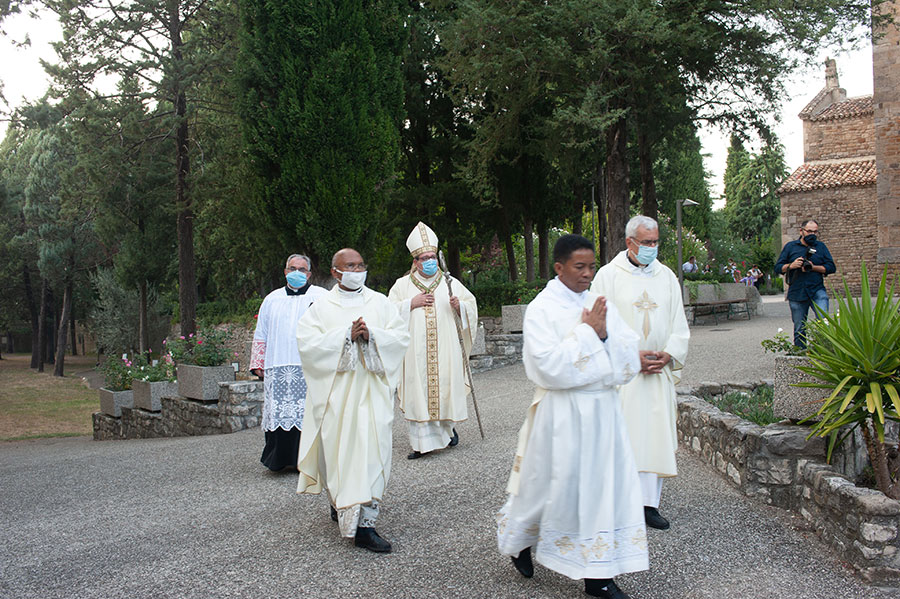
[778, 465]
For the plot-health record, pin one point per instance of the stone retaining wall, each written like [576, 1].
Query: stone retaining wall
[239, 407]
[778, 465]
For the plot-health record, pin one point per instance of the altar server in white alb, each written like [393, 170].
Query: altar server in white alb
[274, 359]
[352, 341]
[648, 297]
[434, 384]
[574, 493]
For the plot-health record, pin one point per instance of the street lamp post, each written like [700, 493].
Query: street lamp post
[678, 205]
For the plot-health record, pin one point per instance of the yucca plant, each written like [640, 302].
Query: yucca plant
[855, 353]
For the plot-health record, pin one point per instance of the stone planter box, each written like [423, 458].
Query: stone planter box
[202, 382]
[791, 402]
[512, 318]
[478, 346]
[112, 402]
[707, 292]
[147, 395]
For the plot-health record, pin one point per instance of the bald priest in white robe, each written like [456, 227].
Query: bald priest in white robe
[352, 342]
[574, 493]
[648, 297]
[434, 385]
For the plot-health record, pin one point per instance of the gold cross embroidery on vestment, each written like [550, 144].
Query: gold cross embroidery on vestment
[645, 304]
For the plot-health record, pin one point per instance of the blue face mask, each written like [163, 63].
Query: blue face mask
[646, 255]
[296, 279]
[429, 267]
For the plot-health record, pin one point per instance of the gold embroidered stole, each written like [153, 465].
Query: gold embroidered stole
[431, 347]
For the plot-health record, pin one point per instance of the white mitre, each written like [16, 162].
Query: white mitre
[422, 239]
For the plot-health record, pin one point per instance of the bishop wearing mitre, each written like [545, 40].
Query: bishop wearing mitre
[442, 317]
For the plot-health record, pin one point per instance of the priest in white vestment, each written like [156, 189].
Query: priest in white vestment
[442, 328]
[274, 359]
[352, 342]
[648, 297]
[574, 493]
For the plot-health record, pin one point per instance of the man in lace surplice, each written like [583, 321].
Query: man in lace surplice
[274, 359]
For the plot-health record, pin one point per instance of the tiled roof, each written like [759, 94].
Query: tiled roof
[846, 109]
[820, 176]
[810, 107]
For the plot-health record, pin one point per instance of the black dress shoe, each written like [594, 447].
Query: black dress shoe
[523, 563]
[454, 440]
[414, 455]
[603, 587]
[334, 514]
[367, 538]
[653, 519]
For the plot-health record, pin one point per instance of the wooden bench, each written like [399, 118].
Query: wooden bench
[727, 307]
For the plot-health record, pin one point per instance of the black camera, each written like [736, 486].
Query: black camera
[807, 263]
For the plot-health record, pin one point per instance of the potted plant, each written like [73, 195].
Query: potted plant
[116, 392]
[789, 400]
[153, 381]
[201, 363]
[855, 357]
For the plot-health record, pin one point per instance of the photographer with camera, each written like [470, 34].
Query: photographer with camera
[804, 263]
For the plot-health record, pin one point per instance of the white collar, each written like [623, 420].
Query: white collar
[572, 298]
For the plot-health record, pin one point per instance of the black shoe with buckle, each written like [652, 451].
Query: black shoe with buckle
[603, 587]
[334, 514]
[367, 538]
[523, 563]
[653, 518]
[454, 440]
[414, 455]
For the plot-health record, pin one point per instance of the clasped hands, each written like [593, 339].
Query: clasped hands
[652, 362]
[359, 329]
[427, 299]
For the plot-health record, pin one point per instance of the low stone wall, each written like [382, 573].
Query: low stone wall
[500, 350]
[239, 407]
[778, 465]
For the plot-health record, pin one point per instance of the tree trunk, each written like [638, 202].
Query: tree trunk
[187, 278]
[577, 210]
[63, 331]
[508, 243]
[616, 187]
[453, 259]
[878, 457]
[143, 328]
[42, 325]
[72, 319]
[543, 250]
[528, 236]
[34, 313]
[50, 331]
[650, 206]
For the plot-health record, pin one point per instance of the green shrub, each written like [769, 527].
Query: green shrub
[492, 295]
[208, 347]
[755, 407]
[117, 373]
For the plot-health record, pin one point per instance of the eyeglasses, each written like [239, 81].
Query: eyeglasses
[812, 231]
[649, 243]
[355, 266]
[295, 269]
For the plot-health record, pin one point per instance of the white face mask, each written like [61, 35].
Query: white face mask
[352, 280]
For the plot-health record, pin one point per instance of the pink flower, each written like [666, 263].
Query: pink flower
[199, 341]
[256, 316]
[191, 335]
[164, 341]
[235, 354]
[182, 336]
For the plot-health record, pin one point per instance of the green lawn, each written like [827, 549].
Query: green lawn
[39, 405]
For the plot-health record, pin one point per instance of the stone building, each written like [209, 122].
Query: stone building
[850, 179]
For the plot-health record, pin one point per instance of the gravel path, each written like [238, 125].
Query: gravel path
[200, 517]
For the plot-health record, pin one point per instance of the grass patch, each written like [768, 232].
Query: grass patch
[37, 405]
[755, 406]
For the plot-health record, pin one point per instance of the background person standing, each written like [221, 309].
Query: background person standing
[804, 263]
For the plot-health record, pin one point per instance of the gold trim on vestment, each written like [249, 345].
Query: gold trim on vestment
[431, 349]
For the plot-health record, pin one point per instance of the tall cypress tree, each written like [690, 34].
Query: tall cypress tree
[321, 99]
